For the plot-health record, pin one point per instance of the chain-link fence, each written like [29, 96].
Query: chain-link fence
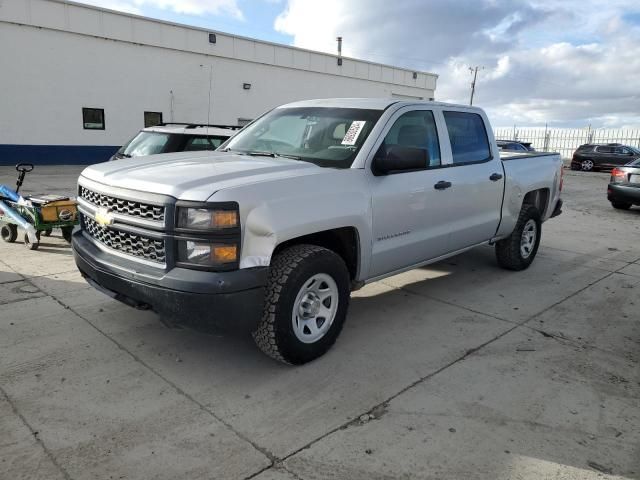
[567, 140]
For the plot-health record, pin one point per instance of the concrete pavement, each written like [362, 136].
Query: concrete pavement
[457, 370]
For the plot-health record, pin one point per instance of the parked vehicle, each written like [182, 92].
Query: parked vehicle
[36, 215]
[512, 146]
[309, 202]
[175, 137]
[596, 156]
[624, 186]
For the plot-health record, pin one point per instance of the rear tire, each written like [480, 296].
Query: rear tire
[621, 205]
[586, 165]
[9, 233]
[517, 251]
[306, 301]
[29, 244]
[66, 233]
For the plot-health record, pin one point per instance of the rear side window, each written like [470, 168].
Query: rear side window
[468, 137]
[416, 129]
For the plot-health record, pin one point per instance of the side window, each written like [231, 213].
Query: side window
[416, 129]
[468, 137]
[622, 151]
[604, 150]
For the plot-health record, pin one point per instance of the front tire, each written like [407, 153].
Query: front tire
[621, 205]
[306, 302]
[517, 251]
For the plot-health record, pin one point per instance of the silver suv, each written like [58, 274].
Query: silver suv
[175, 137]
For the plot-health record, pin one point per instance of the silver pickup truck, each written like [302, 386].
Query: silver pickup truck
[270, 233]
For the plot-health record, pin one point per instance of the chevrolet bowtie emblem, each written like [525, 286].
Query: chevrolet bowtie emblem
[104, 217]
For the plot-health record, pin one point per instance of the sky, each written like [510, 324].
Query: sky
[565, 63]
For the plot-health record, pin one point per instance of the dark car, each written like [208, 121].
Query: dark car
[594, 156]
[513, 146]
[624, 186]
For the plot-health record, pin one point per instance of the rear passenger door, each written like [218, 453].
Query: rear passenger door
[474, 199]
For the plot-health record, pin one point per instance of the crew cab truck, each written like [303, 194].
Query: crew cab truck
[270, 233]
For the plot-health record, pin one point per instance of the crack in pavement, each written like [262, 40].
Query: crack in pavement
[269, 455]
[34, 433]
[278, 462]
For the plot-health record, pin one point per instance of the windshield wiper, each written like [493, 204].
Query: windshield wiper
[122, 155]
[271, 154]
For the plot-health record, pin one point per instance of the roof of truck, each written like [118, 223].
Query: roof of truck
[367, 103]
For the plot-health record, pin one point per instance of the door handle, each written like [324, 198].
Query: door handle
[495, 177]
[441, 185]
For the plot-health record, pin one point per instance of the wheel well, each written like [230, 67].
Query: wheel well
[343, 241]
[538, 198]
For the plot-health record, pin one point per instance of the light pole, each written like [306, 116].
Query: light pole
[474, 70]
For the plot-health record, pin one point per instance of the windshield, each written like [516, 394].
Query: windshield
[145, 143]
[328, 137]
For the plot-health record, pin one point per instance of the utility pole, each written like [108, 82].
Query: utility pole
[473, 83]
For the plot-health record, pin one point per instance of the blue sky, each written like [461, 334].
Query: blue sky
[571, 63]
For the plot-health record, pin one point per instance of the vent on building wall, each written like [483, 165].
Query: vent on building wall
[212, 38]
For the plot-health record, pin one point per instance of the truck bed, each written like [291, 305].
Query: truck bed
[507, 155]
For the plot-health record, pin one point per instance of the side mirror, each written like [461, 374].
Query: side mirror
[399, 159]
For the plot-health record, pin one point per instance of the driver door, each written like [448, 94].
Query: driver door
[409, 223]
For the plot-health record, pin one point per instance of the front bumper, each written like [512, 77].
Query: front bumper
[206, 301]
[623, 193]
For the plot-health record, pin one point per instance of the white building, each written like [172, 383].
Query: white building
[76, 81]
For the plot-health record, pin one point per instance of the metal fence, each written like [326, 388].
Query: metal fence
[567, 140]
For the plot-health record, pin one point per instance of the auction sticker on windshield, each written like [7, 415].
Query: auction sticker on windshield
[352, 134]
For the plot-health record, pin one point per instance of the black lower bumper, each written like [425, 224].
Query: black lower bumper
[207, 301]
[623, 193]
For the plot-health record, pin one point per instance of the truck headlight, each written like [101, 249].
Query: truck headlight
[207, 218]
[206, 254]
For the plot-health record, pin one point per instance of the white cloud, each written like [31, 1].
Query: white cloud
[567, 63]
[189, 7]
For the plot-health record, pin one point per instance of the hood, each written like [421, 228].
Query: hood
[195, 175]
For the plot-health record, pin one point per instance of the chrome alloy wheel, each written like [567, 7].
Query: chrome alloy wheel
[587, 165]
[315, 308]
[528, 238]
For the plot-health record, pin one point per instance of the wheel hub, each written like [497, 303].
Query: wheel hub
[315, 308]
[528, 239]
[309, 305]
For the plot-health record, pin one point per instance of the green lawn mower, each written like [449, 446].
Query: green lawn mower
[37, 214]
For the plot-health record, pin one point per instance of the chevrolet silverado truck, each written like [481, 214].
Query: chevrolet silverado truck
[270, 233]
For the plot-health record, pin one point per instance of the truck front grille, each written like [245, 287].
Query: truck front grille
[131, 244]
[123, 207]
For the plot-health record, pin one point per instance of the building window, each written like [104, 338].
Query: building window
[93, 118]
[244, 121]
[151, 119]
